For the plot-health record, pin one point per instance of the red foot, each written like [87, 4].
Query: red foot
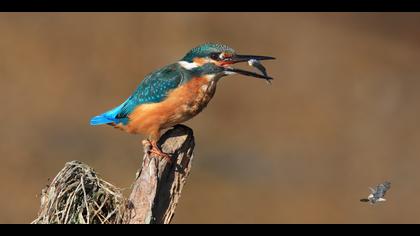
[155, 151]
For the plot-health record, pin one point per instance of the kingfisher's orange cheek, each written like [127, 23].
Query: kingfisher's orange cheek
[227, 55]
[200, 61]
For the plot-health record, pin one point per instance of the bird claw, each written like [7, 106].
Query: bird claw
[151, 148]
[158, 153]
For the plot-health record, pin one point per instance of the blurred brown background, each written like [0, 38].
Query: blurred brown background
[342, 113]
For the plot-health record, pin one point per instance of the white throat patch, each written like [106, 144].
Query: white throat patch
[188, 65]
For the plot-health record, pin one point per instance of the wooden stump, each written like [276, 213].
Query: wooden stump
[77, 195]
[159, 183]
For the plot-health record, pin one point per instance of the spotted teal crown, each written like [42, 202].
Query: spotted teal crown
[204, 50]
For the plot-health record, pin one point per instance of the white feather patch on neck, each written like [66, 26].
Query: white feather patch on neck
[210, 76]
[188, 65]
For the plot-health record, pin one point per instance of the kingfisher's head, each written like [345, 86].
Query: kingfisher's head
[218, 58]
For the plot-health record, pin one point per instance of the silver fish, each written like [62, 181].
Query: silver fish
[257, 64]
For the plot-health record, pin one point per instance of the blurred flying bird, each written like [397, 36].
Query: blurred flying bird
[378, 193]
[177, 92]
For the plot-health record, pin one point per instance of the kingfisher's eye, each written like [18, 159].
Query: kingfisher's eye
[214, 56]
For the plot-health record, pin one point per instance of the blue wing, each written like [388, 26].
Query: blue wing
[381, 189]
[153, 89]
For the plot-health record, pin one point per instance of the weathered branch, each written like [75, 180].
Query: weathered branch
[159, 183]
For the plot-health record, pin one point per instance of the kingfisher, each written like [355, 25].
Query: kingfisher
[176, 93]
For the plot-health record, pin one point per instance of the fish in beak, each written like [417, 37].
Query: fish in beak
[253, 61]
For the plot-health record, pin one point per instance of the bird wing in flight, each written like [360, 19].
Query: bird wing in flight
[381, 189]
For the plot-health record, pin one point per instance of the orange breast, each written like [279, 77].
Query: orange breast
[182, 104]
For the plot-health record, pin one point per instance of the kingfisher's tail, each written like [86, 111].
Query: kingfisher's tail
[107, 117]
[100, 120]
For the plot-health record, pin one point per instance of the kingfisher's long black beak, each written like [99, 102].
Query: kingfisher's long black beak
[242, 58]
[248, 73]
[247, 58]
